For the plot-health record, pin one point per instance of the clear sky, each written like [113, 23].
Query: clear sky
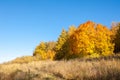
[24, 23]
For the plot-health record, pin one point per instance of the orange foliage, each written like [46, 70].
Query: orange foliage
[90, 39]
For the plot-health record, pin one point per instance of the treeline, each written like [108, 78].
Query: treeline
[88, 40]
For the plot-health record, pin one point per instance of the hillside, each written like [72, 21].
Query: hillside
[89, 52]
[105, 68]
[59, 40]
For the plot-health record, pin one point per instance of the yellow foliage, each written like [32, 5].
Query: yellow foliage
[45, 50]
[88, 40]
[91, 39]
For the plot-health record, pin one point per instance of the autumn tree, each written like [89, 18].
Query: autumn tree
[117, 39]
[62, 45]
[59, 45]
[45, 50]
[50, 50]
[104, 45]
[81, 42]
[40, 50]
[90, 39]
[114, 29]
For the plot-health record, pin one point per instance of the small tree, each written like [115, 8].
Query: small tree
[62, 46]
[60, 42]
[45, 50]
[40, 50]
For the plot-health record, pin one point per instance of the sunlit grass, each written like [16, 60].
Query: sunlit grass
[107, 68]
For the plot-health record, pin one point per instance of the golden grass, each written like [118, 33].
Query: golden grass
[77, 69]
[25, 59]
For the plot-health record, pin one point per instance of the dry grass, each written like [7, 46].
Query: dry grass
[25, 59]
[89, 69]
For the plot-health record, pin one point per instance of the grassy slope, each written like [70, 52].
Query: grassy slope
[107, 68]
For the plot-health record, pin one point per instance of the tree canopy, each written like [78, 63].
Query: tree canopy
[88, 40]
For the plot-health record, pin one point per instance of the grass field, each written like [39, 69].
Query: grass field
[106, 68]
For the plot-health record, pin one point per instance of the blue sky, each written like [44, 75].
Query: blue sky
[24, 23]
